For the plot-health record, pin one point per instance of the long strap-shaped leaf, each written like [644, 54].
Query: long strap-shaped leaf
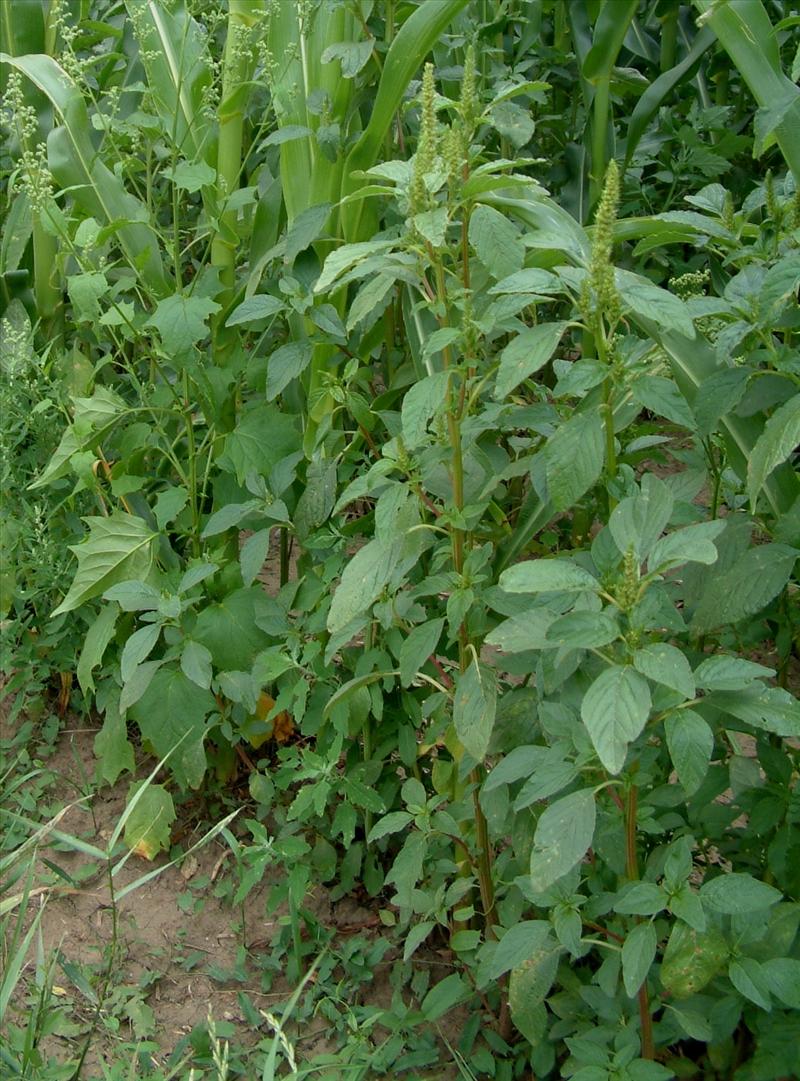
[654, 95]
[746, 34]
[414, 41]
[175, 58]
[75, 165]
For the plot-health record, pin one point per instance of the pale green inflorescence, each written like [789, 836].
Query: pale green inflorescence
[599, 296]
[426, 147]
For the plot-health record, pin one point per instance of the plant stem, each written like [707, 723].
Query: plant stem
[669, 39]
[632, 871]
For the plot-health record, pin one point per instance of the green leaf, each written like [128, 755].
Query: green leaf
[85, 292]
[254, 310]
[717, 395]
[665, 664]
[780, 437]
[305, 229]
[133, 596]
[496, 241]
[642, 899]
[191, 176]
[196, 663]
[262, 437]
[525, 354]
[692, 959]
[639, 520]
[721, 672]
[691, 743]
[530, 983]
[229, 516]
[415, 937]
[662, 397]
[748, 586]
[737, 894]
[547, 576]
[138, 648]
[443, 996]
[432, 225]
[181, 322]
[407, 867]
[372, 297]
[390, 823]
[118, 547]
[362, 582]
[574, 457]
[693, 544]
[420, 404]
[417, 647]
[174, 708]
[513, 123]
[748, 979]
[694, 1024]
[169, 503]
[770, 708]
[148, 824]
[346, 256]
[112, 748]
[253, 554]
[16, 232]
[782, 976]
[230, 630]
[646, 299]
[615, 710]
[583, 630]
[638, 954]
[352, 55]
[529, 280]
[97, 638]
[521, 633]
[285, 364]
[141, 678]
[551, 774]
[474, 707]
[563, 836]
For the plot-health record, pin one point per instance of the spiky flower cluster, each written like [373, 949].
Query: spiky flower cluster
[33, 173]
[691, 284]
[770, 198]
[728, 213]
[66, 32]
[468, 103]
[425, 157]
[599, 296]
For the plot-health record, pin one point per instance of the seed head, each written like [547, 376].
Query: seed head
[599, 296]
[426, 146]
[468, 105]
